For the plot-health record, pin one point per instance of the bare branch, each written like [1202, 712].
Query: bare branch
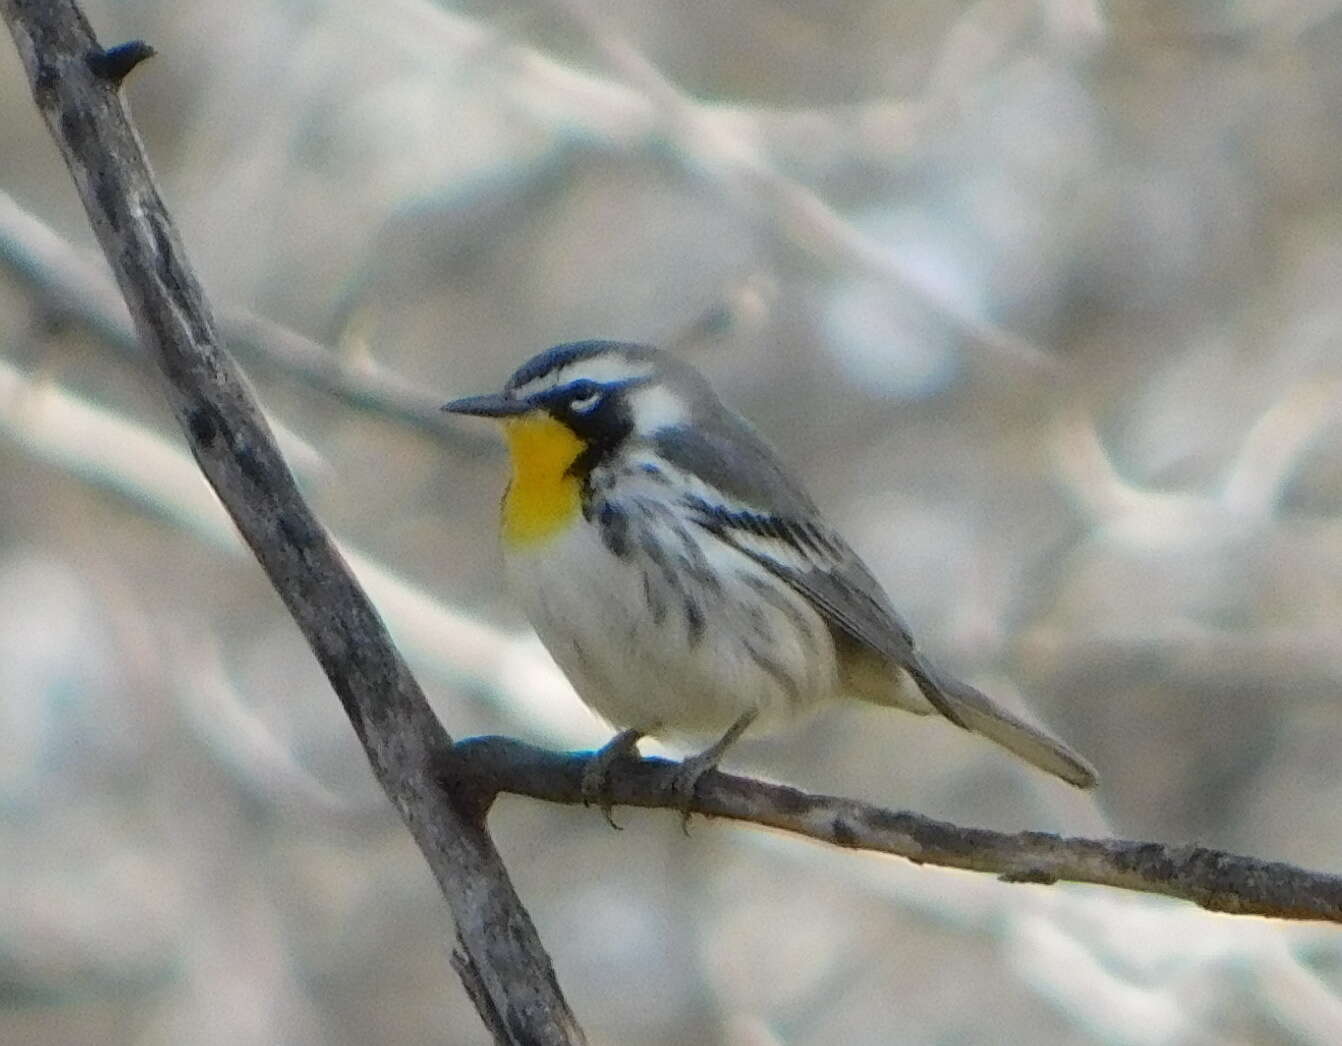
[443, 791]
[742, 170]
[1213, 879]
[235, 449]
[359, 381]
[69, 283]
[72, 286]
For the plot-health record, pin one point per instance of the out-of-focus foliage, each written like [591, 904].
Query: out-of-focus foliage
[1043, 298]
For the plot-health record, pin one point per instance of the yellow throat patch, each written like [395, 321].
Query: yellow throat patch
[542, 498]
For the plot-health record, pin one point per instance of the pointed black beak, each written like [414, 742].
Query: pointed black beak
[494, 406]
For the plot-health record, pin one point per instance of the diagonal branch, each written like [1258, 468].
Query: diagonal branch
[1214, 879]
[443, 791]
[73, 286]
[742, 171]
[74, 83]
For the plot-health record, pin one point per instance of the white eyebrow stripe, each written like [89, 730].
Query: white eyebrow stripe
[535, 385]
[601, 369]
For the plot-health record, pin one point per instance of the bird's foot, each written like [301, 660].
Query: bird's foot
[596, 774]
[684, 783]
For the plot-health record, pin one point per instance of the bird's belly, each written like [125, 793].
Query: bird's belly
[662, 651]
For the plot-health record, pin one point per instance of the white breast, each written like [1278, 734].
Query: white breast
[627, 637]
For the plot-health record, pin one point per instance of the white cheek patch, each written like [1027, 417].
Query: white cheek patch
[655, 408]
[600, 369]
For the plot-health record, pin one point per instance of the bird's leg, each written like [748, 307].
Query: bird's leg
[596, 775]
[687, 775]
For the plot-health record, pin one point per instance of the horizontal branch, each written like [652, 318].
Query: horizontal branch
[1214, 879]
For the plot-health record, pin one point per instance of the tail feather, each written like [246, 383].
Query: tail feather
[977, 712]
[917, 687]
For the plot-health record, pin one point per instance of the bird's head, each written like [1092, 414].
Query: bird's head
[572, 408]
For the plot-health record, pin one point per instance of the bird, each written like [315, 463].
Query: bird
[682, 578]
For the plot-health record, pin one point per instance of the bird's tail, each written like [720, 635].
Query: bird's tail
[967, 707]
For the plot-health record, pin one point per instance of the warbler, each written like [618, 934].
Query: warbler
[683, 580]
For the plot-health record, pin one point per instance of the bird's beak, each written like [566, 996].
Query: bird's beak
[493, 406]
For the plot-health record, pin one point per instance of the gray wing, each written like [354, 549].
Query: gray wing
[770, 519]
[772, 509]
[815, 562]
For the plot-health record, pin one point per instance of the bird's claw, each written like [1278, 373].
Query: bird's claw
[595, 785]
[596, 788]
[684, 784]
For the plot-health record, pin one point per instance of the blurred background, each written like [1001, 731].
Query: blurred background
[1040, 297]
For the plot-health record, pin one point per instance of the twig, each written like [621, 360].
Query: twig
[1214, 879]
[72, 285]
[116, 453]
[444, 791]
[792, 208]
[234, 448]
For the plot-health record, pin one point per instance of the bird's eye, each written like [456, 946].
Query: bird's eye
[584, 396]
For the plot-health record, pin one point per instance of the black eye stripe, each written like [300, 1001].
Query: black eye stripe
[597, 414]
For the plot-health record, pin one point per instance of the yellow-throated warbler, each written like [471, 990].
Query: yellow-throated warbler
[683, 580]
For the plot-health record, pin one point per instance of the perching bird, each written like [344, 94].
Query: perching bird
[683, 580]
